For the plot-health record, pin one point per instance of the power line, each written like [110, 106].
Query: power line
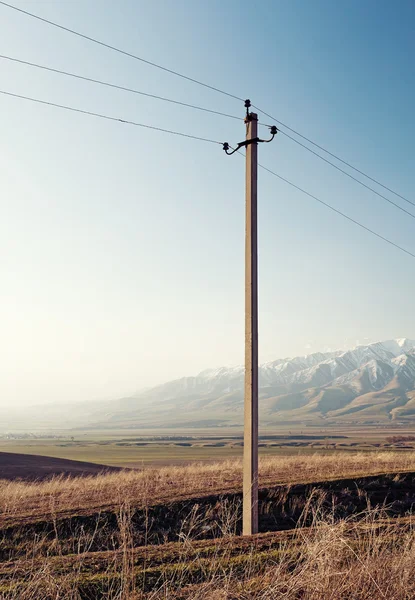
[143, 60]
[109, 118]
[96, 41]
[352, 176]
[378, 235]
[331, 154]
[208, 110]
[118, 87]
[134, 91]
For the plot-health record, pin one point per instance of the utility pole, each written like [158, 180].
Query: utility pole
[250, 458]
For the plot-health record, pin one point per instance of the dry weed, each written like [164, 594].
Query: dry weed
[158, 485]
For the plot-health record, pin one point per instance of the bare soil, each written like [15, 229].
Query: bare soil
[30, 467]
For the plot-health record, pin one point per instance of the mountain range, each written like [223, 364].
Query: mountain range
[369, 384]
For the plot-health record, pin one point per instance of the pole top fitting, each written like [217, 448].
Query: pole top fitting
[247, 106]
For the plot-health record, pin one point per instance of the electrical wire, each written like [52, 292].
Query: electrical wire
[214, 141]
[334, 156]
[378, 235]
[352, 176]
[118, 87]
[131, 90]
[143, 60]
[109, 118]
[90, 113]
[114, 48]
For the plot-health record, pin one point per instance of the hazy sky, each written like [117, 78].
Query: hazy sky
[122, 249]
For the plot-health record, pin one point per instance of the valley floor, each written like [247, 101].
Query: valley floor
[139, 449]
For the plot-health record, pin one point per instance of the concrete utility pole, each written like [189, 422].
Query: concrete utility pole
[250, 461]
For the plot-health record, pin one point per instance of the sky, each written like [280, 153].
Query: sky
[122, 248]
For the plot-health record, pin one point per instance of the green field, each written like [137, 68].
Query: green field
[123, 449]
[113, 454]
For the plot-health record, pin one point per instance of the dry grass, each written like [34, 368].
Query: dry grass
[365, 557]
[369, 560]
[158, 485]
[331, 564]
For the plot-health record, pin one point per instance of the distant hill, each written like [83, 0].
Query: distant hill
[30, 467]
[370, 384]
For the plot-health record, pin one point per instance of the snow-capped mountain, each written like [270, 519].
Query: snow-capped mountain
[371, 383]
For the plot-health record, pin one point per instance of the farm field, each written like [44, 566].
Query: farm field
[32, 467]
[134, 449]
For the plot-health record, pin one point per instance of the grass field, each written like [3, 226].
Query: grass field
[335, 520]
[173, 532]
[166, 484]
[114, 454]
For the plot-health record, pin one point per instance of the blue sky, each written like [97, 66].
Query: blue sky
[122, 248]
